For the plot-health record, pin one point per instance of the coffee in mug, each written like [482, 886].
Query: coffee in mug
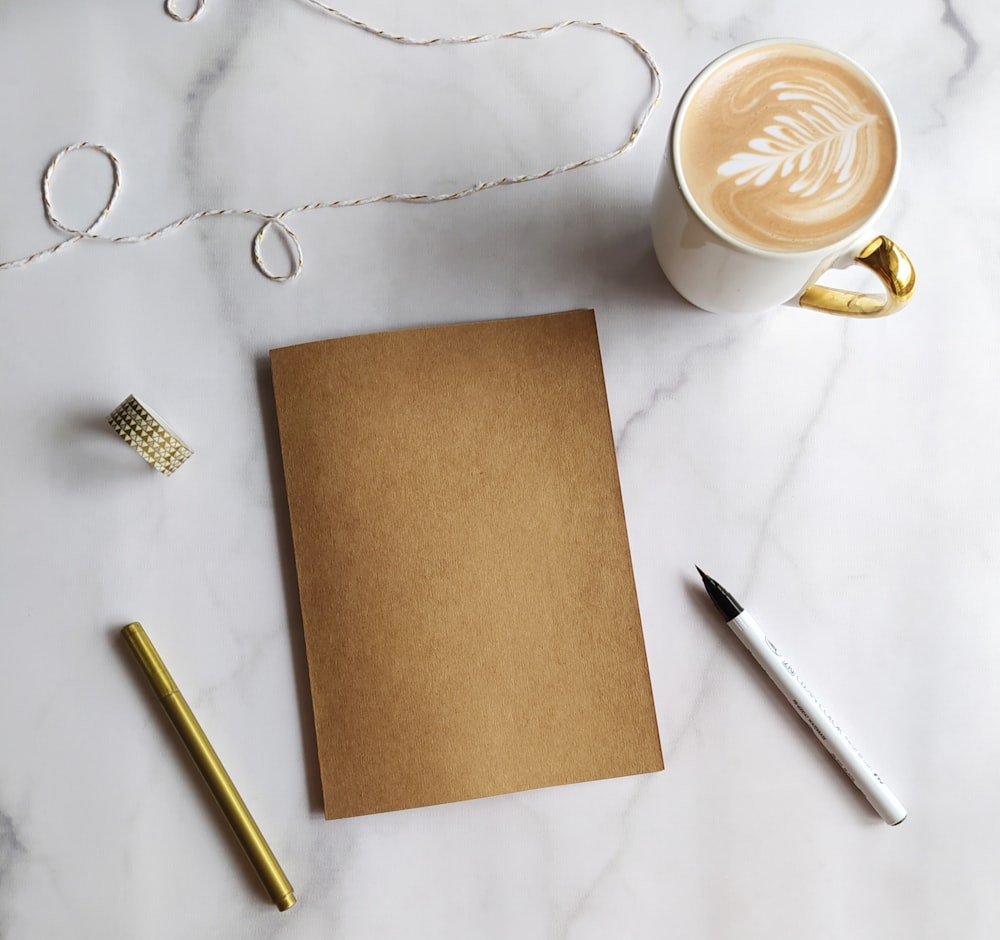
[781, 157]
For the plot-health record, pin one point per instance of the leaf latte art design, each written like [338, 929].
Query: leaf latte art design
[819, 148]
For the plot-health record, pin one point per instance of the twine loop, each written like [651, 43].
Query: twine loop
[291, 242]
[179, 17]
[116, 188]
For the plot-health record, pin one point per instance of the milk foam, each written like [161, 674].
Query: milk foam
[787, 147]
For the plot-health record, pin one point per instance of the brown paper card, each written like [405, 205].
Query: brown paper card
[468, 602]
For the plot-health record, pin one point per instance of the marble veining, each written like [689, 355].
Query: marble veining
[953, 21]
[793, 460]
[663, 393]
[840, 476]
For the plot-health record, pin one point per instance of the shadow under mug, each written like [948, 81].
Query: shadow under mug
[718, 270]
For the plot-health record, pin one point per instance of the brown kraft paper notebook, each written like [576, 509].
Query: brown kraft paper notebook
[468, 602]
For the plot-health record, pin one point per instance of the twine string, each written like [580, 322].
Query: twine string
[276, 222]
[168, 5]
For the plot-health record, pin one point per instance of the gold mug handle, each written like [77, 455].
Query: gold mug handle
[892, 267]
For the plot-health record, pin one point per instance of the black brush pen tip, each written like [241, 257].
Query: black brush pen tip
[725, 603]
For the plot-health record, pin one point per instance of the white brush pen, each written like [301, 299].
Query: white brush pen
[784, 676]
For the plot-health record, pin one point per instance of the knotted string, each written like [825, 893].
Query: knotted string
[276, 221]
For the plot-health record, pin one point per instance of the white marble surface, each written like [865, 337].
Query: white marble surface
[840, 476]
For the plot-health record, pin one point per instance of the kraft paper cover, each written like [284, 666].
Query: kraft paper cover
[468, 602]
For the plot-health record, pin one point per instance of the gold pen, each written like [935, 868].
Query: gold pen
[219, 782]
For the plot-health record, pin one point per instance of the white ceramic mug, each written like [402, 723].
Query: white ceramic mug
[756, 223]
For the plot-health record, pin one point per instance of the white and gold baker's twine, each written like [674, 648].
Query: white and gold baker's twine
[276, 221]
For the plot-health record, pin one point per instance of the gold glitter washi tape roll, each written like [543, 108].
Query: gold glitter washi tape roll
[149, 435]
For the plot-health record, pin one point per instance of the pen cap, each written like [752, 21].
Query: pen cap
[144, 651]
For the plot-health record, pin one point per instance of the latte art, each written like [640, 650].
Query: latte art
[817, 147]
[787, 147]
